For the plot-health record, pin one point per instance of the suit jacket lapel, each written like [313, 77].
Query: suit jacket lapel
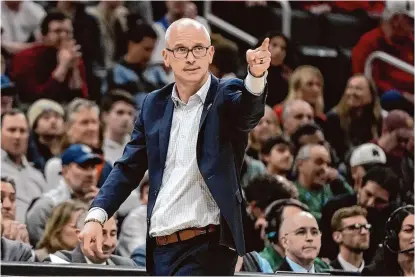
[78, 256]
[210, 97]
[165, 127]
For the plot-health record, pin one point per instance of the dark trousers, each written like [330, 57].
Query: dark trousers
[201, 256]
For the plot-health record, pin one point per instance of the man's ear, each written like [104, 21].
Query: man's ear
[211, 53]
[265, 157]
[337, 237]
[165, 58]
[284, 242]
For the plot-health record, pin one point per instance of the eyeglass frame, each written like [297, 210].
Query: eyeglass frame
[357, 227]
[189, 50]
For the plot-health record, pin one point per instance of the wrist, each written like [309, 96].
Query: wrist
[94, 220]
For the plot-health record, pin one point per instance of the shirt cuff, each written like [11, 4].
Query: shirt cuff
[98, 214]
[255, 85]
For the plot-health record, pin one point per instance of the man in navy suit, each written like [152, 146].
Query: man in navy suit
[192, 136]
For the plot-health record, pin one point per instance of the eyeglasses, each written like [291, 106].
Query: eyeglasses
[357, 227]
[183, 52]
[302, 232]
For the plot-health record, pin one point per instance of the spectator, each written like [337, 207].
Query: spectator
[112, 19]
[313, 171]
[52, 69]
[351, 232]
[79, 181]
[46, 120]
[395, 36]
[357, 118]
[305, 83]
[276, 152]
[118, 113]
[295, 114]
[61, 230]
[362, 159]
[109, 233]
[377, 195]
[267, 127]
[311, 133]
[225, 61]
[10, 228]
[282, 64]
[82, 126]
[261, 191]
[134, 228]
[275, 214]
[20, 21]
[131, 73]
[397, 257]
[191, 11]
[30, 183]
[15, 251]
[301, 240]
[8, 93]
[87, 33]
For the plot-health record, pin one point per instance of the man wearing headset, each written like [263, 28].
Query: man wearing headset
[275, 214]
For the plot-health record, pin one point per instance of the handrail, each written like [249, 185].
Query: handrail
[388, 59]
[242, 35]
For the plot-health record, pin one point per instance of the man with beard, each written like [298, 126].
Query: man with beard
[109, 242]
[351, 232]
[312, 169]
[53, 69]
[377, 195]
[301, 240]
[79, 182]
[118, 113]
[47, 125]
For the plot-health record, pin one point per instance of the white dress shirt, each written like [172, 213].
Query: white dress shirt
[298, 268]
[184, 200]
[348, 266]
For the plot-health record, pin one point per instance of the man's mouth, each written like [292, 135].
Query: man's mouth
[191, 69]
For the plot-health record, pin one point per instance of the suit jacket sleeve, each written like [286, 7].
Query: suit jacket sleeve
[127, 172]
[246, 108]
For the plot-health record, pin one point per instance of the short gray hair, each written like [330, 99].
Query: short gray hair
[287, 107]
[78, 103]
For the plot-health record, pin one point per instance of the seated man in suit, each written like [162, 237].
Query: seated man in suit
[109, 242]
[301, 240]
[351, 232]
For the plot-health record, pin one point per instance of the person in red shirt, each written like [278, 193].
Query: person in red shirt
[395, 37]
[51, 69]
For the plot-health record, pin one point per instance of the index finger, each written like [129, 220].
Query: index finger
[265, 44]
[85, 244]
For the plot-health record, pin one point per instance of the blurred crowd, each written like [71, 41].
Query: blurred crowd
[319, 183]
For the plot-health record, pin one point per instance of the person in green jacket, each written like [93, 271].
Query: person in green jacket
[275, 215]
[313, 171]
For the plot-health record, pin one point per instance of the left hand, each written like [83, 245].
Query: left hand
[259, 59]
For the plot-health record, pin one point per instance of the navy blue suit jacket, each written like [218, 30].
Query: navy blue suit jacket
[229, 113]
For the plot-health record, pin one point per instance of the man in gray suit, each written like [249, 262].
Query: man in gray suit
[109, 233]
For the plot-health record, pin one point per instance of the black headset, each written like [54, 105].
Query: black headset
[391, 241]
[273, 216]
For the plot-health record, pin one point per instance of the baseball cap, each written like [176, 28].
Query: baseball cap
[41, 106]
[80, 154]
[393, 7]
[7, 87]
[367, 153]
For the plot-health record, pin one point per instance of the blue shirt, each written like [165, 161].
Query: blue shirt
[298, 268]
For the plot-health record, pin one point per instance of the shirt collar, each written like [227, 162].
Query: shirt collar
[6, 158]
[298, 268]
[349, 267]
[201, 93]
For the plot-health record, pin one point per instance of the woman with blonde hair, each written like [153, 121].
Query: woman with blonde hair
[61, 232]
[357, 118]
[306, 83]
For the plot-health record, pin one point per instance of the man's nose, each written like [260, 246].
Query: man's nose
[190, 57]
[6, 203]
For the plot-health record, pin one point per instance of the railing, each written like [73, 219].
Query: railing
[47, 269]
[388, 59]
[242, 35]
